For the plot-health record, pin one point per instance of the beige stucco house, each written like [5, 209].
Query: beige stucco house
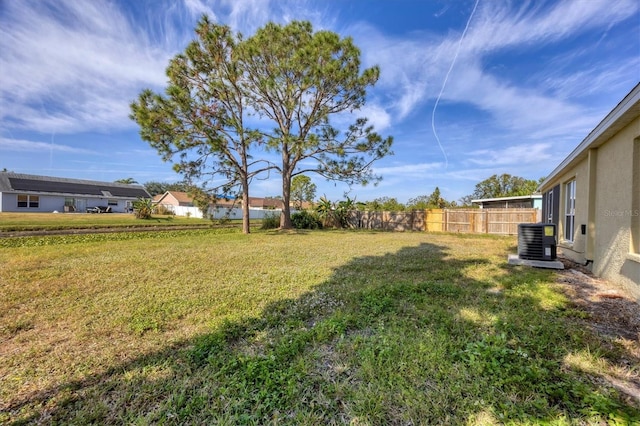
[173, 198]
[594, 198]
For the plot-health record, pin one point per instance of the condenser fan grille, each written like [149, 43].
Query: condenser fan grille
[537, 241]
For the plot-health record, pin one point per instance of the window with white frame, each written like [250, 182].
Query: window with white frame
[29, 201]
[111, 202]
[570, 210]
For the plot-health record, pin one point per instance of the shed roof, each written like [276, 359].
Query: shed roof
[514, 198]
[18, 182]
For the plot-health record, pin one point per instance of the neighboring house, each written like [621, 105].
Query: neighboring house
[594, 197]
[182, 199]
[268, 203]
[517, 202]
[31, 193]
[173, 198]
[182, 205]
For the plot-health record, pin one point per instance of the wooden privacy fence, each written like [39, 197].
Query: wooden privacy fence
[479, 221]
[389, 221]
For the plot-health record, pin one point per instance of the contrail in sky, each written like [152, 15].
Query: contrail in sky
[444, 83]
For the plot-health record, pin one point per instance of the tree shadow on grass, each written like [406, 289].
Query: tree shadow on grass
[419, 336]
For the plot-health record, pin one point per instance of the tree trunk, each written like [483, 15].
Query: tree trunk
[245, 207]
[285, 217]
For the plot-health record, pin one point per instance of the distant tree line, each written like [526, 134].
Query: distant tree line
[504, 185]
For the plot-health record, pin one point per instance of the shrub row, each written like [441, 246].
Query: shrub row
[301, 220]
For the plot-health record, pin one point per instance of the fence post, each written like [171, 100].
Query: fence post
[445, 220]
[472, 223]
[486, 221]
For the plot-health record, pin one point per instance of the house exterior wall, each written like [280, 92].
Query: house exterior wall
[169, 199]
[50, 203]
[45, 204]
[606, 189]
[614, 215]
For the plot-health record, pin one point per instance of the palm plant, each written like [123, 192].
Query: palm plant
[143, 207]
[343, 210]
[324, 208]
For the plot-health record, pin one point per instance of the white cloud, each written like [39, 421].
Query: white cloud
[407, 66]
[499, 26]
[89, 59]
[408, 170]
[247, 16]
[22, 145]
[524, 111]
[197, 8]
[376, 115]
[513, 155]
[413, 68]
[80, 69]
[567, 83]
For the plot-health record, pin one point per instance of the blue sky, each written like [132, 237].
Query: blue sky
[514, 93]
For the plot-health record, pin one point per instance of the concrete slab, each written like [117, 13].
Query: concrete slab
[549, 264]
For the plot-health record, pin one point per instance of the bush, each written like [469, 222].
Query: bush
[142, 208]
[306, 220]
[164, 210]
[271, 221]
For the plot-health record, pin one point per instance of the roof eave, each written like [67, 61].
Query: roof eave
[515, 197]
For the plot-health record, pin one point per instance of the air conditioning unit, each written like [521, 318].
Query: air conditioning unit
[537, 241]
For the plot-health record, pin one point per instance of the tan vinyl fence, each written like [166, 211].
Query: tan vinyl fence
[479, 221]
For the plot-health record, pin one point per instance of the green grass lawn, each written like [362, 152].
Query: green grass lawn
[327, 327]
[53, 221]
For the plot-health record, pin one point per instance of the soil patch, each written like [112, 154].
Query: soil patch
[614, 315]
